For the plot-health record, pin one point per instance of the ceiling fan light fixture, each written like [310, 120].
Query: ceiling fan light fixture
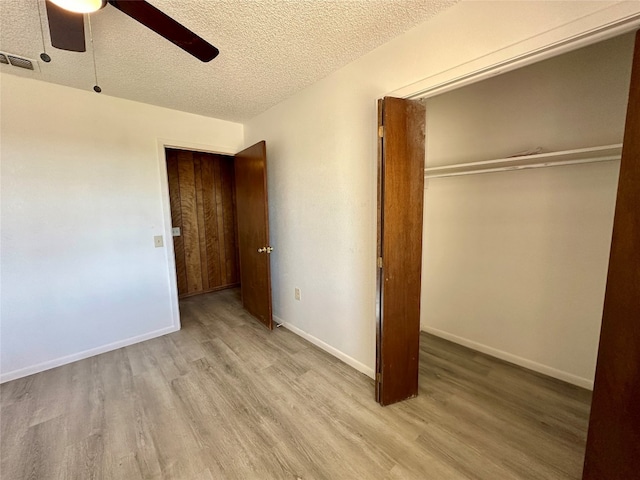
[80, 6]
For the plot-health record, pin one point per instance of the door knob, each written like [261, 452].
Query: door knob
[262, 250]
[268, 249]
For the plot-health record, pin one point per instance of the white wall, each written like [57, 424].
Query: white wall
[515, 263]
[321, 145]
[575, 100]
[83, 186]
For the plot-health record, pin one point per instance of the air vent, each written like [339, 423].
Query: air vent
[20, 62]
[17, 61]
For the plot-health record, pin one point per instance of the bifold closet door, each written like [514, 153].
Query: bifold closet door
[202, 195]
[613, 441]
[401, 127]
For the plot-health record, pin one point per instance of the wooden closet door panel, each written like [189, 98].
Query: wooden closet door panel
[401, 177]
[228, 208]
[198, 159]
[201, 188]
[220, 221]
[613, 441]
[212, 244]
[236, 243]
[176, 219]
[190, 233]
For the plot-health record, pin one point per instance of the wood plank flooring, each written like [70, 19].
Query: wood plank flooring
[225, 399]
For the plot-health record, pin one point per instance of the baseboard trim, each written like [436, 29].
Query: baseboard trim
[58, 362]
[352, 362]
[522, 362]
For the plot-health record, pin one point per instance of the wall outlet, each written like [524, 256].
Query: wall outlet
[157, 241]
[297, 293]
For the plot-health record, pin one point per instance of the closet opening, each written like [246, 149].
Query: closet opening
[521, 175]
[520, 186]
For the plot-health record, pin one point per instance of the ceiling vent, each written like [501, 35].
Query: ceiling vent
[16, 61]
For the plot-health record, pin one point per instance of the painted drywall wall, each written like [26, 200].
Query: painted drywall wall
[321, 145]
[515, 263]
[82, 198]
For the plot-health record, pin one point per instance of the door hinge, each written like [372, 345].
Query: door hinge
[380, 131]
[379, 262]
[378, 377]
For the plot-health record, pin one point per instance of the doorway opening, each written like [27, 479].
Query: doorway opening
[601, 456]
[220, 225]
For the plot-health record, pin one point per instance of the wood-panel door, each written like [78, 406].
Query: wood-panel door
[253, 232]
[613, 441]
[400, 203]
[202, 195]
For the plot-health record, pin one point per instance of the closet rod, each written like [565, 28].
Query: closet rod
[605, 153]
[522, 167]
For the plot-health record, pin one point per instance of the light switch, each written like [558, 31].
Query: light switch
[157, 241]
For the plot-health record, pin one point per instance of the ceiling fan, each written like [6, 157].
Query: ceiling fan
[66, 25]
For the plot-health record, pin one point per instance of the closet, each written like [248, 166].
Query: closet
[523, 264]
[520, 188]
[203, 206]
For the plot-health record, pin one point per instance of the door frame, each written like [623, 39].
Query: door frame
[161, 144]
[594, 28]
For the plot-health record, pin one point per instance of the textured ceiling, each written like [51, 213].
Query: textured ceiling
[269, 49]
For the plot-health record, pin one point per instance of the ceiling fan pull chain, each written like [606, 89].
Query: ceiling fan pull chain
[44, 56]
[96, 87]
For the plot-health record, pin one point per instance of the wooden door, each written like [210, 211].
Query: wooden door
[253, 232]
[613, 442]
[202, 195]
[400, 201]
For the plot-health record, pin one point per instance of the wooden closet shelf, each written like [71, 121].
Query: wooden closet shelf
[602, 153]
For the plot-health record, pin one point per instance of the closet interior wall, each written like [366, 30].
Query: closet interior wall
[515, 262]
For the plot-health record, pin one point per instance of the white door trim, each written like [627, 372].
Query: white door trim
[601, 25]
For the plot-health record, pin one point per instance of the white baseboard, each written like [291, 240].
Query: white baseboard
[352, 362]
[523, 362]
[41, 367]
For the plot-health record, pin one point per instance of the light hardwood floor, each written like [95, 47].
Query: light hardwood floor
[225, 399]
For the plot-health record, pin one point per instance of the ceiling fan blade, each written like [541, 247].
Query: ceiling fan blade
[167, 27]
[66, 28]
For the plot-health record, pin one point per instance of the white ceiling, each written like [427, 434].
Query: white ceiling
[269, 49]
